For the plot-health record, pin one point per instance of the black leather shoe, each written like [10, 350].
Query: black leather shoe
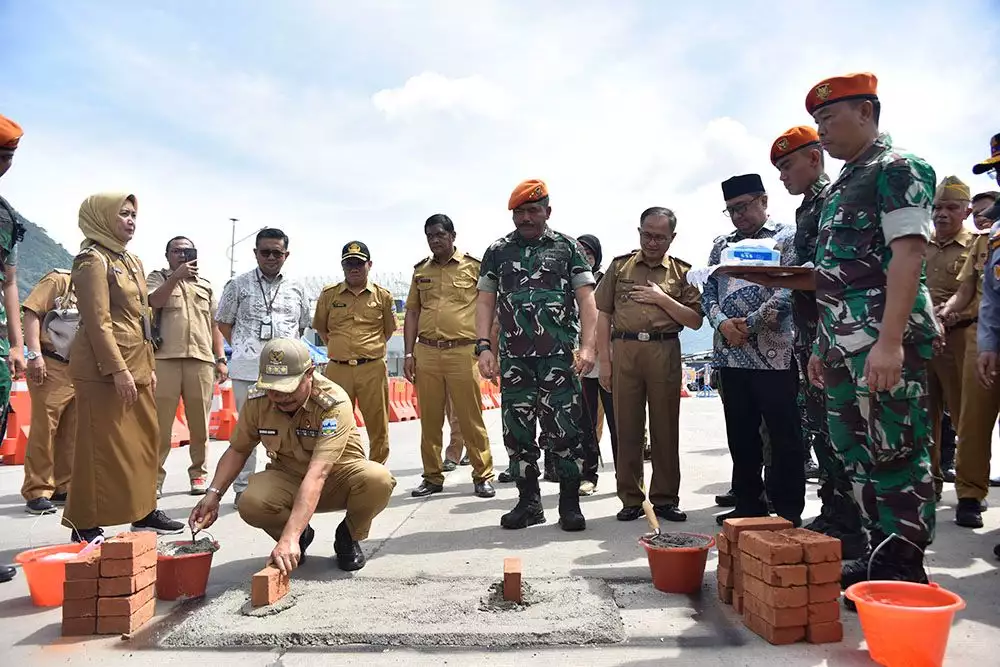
[85, 535]
[968, 514]
[812, 470]
[448, 465]
[948, 474]
[485, 490]
[505, 477]
[737, 514]
[7, 573]
[305, 539]
[629, 513]
[727, 499]
[350, 557]
[426, 489]
[465, 461]
[59, 498]
[669, 512]
[995, 481]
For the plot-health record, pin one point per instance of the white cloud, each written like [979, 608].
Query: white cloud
[431, 91]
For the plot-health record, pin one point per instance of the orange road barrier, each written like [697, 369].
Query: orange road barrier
[15, 441]
[401, 400]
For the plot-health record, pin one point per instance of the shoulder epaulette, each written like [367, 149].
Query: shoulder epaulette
[64, 272]
[324, 400]
[627, 255]
[329, 287]
[477, 260]
[680, 261]
[255, 392]
[421, 263]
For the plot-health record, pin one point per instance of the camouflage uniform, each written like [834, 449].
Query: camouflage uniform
[11, 233]
[882, 439]
[839, 509]
[534, 282]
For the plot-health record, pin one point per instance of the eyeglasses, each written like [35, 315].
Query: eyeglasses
[653, 238]
[270, 254]
[740, 209]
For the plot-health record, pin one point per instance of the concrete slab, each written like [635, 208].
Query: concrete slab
[454, 536]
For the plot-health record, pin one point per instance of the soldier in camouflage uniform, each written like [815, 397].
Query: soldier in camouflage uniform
[534, 279]
[876, 325]
[799, 158]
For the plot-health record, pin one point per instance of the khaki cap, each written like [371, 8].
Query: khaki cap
[283, 363]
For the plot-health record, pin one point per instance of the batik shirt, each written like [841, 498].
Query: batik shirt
[535, 283]
[768, 311]
[884, 195]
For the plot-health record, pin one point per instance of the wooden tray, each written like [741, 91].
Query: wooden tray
[773, 271]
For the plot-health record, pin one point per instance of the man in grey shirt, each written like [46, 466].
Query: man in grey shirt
[254, 308]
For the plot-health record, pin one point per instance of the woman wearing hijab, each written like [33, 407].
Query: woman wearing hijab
[592, 390]
[111, 363]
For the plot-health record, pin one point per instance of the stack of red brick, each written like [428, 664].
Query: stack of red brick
[784, 581]
[111, 590]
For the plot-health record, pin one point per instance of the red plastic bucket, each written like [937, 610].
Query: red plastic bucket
[184, 576]
[678, 569]
[46, 578]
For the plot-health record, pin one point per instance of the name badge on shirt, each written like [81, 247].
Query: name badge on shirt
[307, 432]
[266, 331]
[338, 304]
[267, 431]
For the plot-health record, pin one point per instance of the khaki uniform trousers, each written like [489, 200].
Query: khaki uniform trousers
[980, 407]
[48, 459]
[361, 487]
[451, 374]
[647, 373]
[368, 385]
[456, 444]
[194, 381]
[944, 385]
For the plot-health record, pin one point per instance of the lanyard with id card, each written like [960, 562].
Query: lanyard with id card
[266, 326]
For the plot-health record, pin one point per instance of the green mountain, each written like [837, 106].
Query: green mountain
[38, 254]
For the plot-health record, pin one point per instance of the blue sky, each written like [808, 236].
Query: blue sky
[337, 120]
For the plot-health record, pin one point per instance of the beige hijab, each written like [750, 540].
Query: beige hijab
[99, 219]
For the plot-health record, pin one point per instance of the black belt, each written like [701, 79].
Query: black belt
[352, 362]
[53, 355]
[963, 325]
[643, 336]
[445, 344]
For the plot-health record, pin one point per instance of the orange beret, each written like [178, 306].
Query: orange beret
[531, 190]
[836, 89]
[10, 133]
[793, 140]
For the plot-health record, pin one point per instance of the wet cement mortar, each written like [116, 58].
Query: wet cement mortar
[408, 612]
[677, 540]
[187, 547]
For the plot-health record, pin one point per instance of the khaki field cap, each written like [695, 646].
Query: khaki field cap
[283, 362]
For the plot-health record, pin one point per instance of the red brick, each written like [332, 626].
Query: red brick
[825, 633]
[738, 603]
[79, 608]
[268, 586]
[87, 567]
[126, 605]
[118, 586]
[777, 636]
[770, 548]
[824, 612]
[125, 625]
[128, 545]
[512, 579]
[726, 560]
[80, 589]
[725, 594]
[77, 627]
[794, 617]
[775, 575]
[774, 596]
[722, 543]
[127, 567]
[725, 577]
[824, 593]
[825, 573]
[818, 548]
[733, 527]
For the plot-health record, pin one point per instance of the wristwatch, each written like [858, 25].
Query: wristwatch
[482, 345]
[222, 360]
[31, 355]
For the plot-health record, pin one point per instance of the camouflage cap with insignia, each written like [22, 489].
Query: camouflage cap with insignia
[952, 188]
[283, 363]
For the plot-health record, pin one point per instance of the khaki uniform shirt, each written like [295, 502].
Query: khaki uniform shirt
[944, 265]
[186, 318]
[614, 297]
[52, 292]
[975, 262]
[356, 325]
[323, 429]
[445, 296]
[114, 313]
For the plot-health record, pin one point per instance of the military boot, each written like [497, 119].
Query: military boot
[897, 560]
[549, 466]
[570, 516]
[528, 510]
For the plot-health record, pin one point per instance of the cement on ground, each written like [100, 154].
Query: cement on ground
[455, 536]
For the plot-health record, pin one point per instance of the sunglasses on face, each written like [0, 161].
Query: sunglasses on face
[270, 254]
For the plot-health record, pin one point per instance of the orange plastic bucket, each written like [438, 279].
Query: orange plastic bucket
[46, 578]
[905, 624]
[184, 576]
[678, 569]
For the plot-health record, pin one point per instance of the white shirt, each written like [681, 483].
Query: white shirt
[247, 302]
